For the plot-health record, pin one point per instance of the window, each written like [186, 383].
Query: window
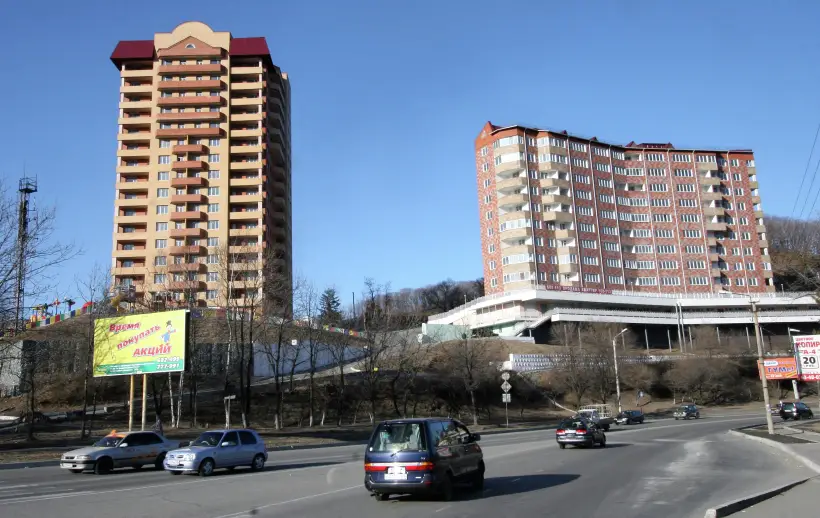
[694, 249]
[589, 243]
[612, 231]
[508, 141]
[488, 214]
[656, 171]
[658, 187]
[614, 279]
[213, 159]
[163, 175]
[611, 247]
[646, 281]
[641, 232]
[600, 151]
[664, 233]
[213, 142]
[159, 278]
[607, 214]
[213, 225]
[640, 265]
[492, 265]
[740, 281]
[485, 167]
[666, 249]
[212, 259]
[213, 241]
[750, 267]
[690, 218]
[584, 195]
[490, 231]
[213, 207]
[670, 281]
[634, 171]
[213, 191]
[165, 159]
[606, 198]
[592, 277]
[685, 187]
[160, 260]
[213, 175]
[618, 155]
[162, 193]
[683, 173]
[164, 143]
[696, 265]
[698, 281]
[581, 178]
[160, 243]
[211, 294]
[664, 202]
[493, 282]
[680, 157]
[613, 263]
[692, 233]
[586, 227]
[580, 162]
[655, 157]
[486, 182]
[746, 236]
[668, 265]
[162, 209]
[747, 251]
[619, 169]
[642, 249]
[590, 260]
[602, 167]
[750, 163]
[577, 146]
[603, 182]
[162, 227]
[686, 202]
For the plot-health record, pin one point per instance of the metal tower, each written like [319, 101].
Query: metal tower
[26, 188]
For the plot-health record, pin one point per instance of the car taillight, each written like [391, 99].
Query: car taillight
[375, 467]
[560, 430]
[581, 431]
[421, 466]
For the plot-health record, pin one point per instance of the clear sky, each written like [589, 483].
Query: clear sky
[388, 97]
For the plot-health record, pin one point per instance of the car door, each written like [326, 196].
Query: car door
[248, 449]
[129, 451]
[471, 450]
[229, 451]
[454, 448]
[152, 447]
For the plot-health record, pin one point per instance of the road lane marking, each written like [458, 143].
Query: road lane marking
[516, 479]
[255, 510]
[443, 508]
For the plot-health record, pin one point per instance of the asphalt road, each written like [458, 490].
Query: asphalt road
[665, 468]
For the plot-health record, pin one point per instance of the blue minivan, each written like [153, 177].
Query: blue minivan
[422, 456]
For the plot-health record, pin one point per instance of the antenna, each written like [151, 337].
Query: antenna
[25, 189]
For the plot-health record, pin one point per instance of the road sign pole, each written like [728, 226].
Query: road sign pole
[144, 398]
[506, 415]
[131, 405]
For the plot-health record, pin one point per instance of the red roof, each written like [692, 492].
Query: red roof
[249, 47]
[125, 50]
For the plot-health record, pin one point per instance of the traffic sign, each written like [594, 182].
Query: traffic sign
[808, 356]
[506, 387]
[506, 398]
[505, 376]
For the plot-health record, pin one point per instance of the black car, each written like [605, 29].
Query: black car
[422, 456]
[687, 412]
[579, 432]
[630, 417]
[796, 410]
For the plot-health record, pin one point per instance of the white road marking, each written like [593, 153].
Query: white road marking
[516, 479]
[275, 504]
[443, 508]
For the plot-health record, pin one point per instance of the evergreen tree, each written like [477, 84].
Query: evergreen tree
[330, 307]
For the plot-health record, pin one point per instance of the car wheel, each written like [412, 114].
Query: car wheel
[478, 478]
[76, 471]
[447, 488]
[676, 419]
[382, 497]
[603, 442]
[562, 446]
[206, 468]
[104, 466]
[697, 416]
[258, 463]
[159, 464]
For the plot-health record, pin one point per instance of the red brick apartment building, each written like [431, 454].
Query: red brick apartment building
[561, 210]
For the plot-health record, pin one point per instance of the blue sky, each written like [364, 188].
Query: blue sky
[388, 97]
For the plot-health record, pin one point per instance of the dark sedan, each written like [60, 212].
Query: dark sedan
[630, 417]
[579, 432]
[796, 410]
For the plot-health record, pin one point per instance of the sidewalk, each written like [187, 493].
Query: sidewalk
[799, 502]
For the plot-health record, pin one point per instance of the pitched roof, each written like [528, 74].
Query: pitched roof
[249, 47]
[127, 50]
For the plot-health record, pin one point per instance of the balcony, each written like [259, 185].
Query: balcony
[181, 165]
[565, 234]
[246, 166]
[715, 272]
[190, 116]
[186, 232]
[768, 274]
[249, 132]
[247, 150]
[516, 234]
[198, 52]
[205, 84]
[246, 182]
[133, 187]
[189, 100]
[247, 85]
[145, 72]
[713, 257]
[709, 180]
[513, 200]
[237, 70]
[254, 215]
[711, 241]
[548, 199]
[568, 268]
[555, 182]
[188, 215]
[511, 184]
[509, 167]
[558, 216]
[189, 148]
[758, 213]
[128, 270]
[188, 198]
[137, 218]
[277, 215]
[142, 152]
[129, 253]
[246, 101]
[714, 211]
[763, 243]
[142, 119]
[187, 250]
[186, 267]
[134, 105]
[755, 199]
[205, 68]
[246, 198]
[711, 196]
[137, 135]
[716, 227]
[707, 166]
[189, 132]
[132, 202]
[195, 181]
[247, 117]
[240, 232]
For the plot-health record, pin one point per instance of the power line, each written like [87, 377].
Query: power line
[808, 192]
[803, 181]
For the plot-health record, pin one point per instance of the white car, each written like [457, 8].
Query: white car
[119, 450]
[218, 449]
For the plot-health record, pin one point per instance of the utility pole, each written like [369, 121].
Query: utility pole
[763, 381]
[26, 188]
[615, 359]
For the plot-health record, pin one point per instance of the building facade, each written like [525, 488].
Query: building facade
[563, 211]
[203, 178]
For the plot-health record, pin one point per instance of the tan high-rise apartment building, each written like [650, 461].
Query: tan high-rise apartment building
[562, 211]
[203, 165]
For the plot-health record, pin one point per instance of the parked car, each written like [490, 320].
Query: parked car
[422, 456]
[775, 410]
[687, 412]
[119, 450]
[630, 417]
[796, 410]
[217, 449]
[601, 415]
[579, 432]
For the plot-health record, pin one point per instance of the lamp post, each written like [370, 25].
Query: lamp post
[615, 359]
[794, 381]
[758, 339]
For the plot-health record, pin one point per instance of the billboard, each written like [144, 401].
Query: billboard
[140, 344]
[807, 349]
[779, 368]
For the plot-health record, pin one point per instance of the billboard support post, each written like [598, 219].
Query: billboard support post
[131, 405]
[144, 398]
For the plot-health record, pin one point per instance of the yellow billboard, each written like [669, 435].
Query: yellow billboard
[140, 344]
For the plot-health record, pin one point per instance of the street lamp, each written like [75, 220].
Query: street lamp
[615, 358]
[794, 381]
[763, 382]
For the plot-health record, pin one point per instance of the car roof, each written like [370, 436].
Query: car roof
[418, 420]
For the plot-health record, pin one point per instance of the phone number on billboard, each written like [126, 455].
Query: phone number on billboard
[173, 363]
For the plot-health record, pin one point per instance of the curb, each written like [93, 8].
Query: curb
[32, 464]
[735, 506]
[782, 447]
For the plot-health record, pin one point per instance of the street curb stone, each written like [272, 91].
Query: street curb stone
[782, 447]
[733, 507]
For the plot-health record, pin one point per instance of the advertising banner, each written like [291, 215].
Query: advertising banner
[140, 344]
[780, 368]
[807, 348]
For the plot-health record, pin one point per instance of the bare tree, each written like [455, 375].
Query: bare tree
[467, 360]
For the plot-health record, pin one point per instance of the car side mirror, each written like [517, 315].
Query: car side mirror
[476, 437]
[124, 445]
[226, 444]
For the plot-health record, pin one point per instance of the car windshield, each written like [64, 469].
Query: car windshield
[207, 439]
[572, 424]
[393, 437]
[788, 406]
[110, 441]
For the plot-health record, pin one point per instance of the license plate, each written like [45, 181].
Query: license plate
[396, 473]
[180, 465]
[570, 435]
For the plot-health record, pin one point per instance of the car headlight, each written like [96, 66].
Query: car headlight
[82, 457]
[188, 456]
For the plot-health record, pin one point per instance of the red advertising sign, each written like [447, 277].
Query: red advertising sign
[807, 348]
[779, 368]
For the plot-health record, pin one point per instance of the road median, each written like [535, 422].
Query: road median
[735, 506]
